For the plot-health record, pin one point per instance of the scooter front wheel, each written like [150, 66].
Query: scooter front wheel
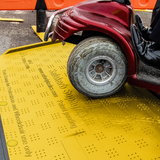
[97, 67]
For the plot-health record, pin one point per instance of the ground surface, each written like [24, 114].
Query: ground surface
[14, 34]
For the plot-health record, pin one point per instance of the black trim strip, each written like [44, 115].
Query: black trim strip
[41, 5]
[3, 148]
[157, 5]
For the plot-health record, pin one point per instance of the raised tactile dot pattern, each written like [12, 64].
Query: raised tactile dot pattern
[91, 149]
[4, 109]
[34, 137]
[45, 118]
[108, 125]
[8, 121]
[52, 141]
[112, 153]
[62, 129]
[56, 116]
[134, 156]
[158, 158]
[127, 127]
[46, 126]
[21, 100]
[49, 104]
[147, 131]
[11, 135]
[141, 143]
[29, 123]
[100, 136]
[14, 151]
[35, 102]
[80, 133]
[40, 113]
[142, 107]
[120, 139]
[40, 154]
[60, 157]
[25, 110]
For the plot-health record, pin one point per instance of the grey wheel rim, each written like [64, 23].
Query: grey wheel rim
[100, 70]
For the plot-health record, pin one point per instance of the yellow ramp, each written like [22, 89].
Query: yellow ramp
[45, 118]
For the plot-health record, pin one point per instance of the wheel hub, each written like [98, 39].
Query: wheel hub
[100, 70]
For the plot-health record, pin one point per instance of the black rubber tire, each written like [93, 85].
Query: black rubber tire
[80, 61]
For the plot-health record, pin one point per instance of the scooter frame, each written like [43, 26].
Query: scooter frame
[106, 17]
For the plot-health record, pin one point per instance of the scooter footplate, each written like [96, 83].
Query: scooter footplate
[148, 73]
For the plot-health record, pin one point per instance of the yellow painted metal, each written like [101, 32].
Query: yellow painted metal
[143, 10]
[45, 118]
[11, 19]
[39, 34]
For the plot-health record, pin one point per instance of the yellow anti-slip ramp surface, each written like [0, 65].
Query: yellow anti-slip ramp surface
[45, 118]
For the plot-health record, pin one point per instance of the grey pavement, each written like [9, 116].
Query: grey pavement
[15, 34]
[146, 17]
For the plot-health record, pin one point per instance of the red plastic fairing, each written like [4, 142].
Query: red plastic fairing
[132, 80]
[111, 18]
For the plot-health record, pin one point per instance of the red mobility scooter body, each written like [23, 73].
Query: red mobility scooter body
[111, 19]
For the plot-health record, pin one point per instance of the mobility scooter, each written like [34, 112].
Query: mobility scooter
[104, 57]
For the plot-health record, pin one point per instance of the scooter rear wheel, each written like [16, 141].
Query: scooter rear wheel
[97, 67]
